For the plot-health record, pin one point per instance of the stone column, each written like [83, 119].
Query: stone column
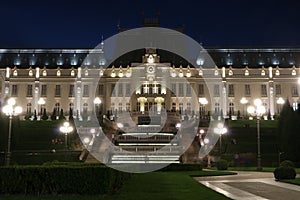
[142, 101]
[159, 101]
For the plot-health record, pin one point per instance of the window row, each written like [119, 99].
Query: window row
[247, 90]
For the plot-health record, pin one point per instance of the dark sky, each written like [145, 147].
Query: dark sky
[222, 23]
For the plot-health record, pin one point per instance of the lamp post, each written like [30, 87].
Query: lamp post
[10, 110]
[66, 129]
[279, 101]
[220, 130]
[257, 111]
[243, 101]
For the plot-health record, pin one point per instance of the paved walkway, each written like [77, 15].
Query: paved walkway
[251, 186]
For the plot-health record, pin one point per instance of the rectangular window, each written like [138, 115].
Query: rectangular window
[201, 90]
[86, 90]
[278, 89]
[14, 90]
[231, 90]
[188, 90]
[263, 90]
[120, 90]
[216, 90]
[44, 91]
[127, 93]
[113, 92]
[29, 91]
[71, 91]
[294, 91]
[247, 90]
[180, 90]
[57, 90]
[173, 88]
[101, 90]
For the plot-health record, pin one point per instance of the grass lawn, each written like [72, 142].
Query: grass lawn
[154, 185]
[295, 181]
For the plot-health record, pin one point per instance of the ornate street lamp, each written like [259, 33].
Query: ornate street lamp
[10, 110]
[66, 129]
[257, 111]
[220, 130]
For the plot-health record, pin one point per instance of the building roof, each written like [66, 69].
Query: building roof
[223, 57]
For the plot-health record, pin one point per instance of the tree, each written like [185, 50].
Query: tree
[288, 132]
[34, 116]
[44, 116]
[53, 116]
[61, 115]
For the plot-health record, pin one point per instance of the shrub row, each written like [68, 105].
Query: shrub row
[77, 179]
[183, 167]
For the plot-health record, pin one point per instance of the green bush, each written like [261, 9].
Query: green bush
[222, 164]
[76, 179]
[183, 167]
[287, 163]
[284, 173]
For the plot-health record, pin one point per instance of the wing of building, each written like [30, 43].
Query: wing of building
[65, 78]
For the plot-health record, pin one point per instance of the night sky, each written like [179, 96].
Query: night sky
[215, 23]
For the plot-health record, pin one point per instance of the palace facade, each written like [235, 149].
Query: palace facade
[73, 78]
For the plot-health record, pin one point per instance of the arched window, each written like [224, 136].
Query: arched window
[217, 108]
[231, 108]
[85, 107]
[173, 106]
[28, 110]
[71, 105]
[57, 108]
[188, 107]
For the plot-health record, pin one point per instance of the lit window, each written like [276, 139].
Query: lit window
[246, 72]
[263, 72]
[216, 72]
[58, 73]
[72, 72]
[86, 73]
[44, 72]
[294, 72]
[277, 72]
[15, 73]
[200, 72]
[30, 73]
[230, 73]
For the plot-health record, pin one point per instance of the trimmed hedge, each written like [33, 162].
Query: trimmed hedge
[77, 179]
[222, 164]
[281, 173]
[183, 167]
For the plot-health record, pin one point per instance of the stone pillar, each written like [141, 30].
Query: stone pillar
[159, 101]
[142, 101]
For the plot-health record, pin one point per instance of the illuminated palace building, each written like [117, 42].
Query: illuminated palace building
[65, 78]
